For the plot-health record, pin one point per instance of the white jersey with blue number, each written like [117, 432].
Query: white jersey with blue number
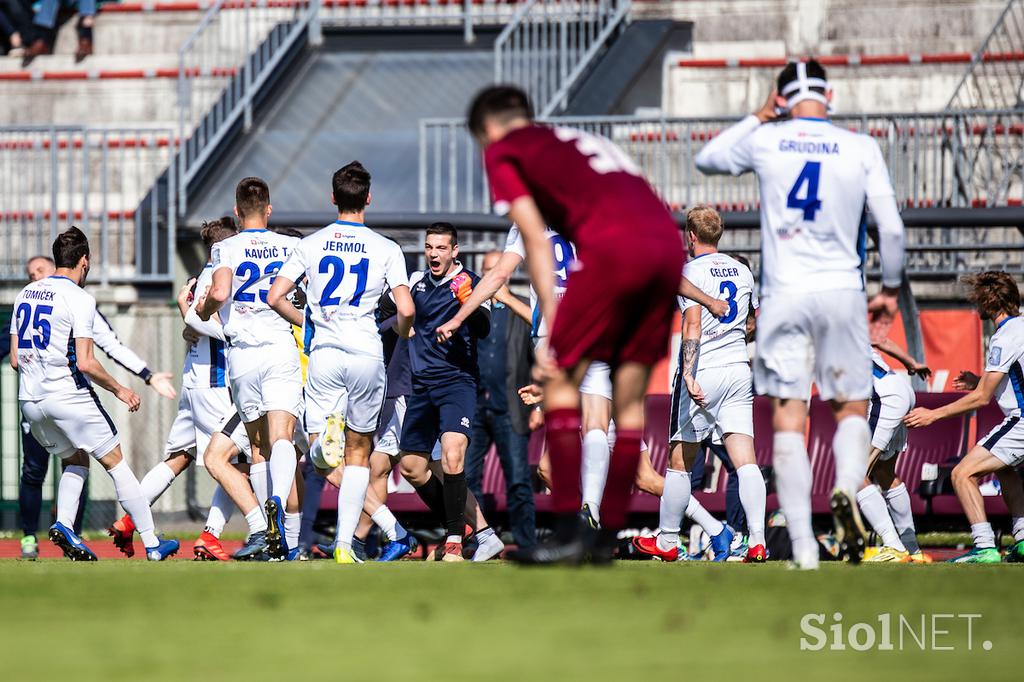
[347, 267]
[253, 257]
[1006, 355]
[206, 361]
[723, 340]
[814, 180]
[564, 253]
[48, 316]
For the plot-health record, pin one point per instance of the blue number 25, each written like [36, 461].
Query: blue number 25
[810, 204]
[729, 289]
[41, 339]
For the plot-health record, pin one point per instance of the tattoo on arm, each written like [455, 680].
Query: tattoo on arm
[691, 351]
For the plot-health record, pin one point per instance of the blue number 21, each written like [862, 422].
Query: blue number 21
[729, 289]
[336, 266]
[810, 204]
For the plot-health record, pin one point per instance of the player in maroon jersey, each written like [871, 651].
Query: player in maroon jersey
[619, 302]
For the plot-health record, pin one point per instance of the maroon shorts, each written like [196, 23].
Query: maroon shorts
[618, 306]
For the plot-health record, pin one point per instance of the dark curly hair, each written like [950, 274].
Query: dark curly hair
[993, 292]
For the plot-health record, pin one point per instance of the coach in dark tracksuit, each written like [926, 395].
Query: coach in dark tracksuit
[444, 376]
[506, 356]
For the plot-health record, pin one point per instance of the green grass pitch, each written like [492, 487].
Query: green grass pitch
[120, 620]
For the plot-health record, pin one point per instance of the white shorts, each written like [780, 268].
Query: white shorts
[72, 421]
[390, 432]
[729, 408]
[819, 337]
[890, 402]
[1006, 442]
[265, 378]
[203, 412]
[338, 381]
[598, 380]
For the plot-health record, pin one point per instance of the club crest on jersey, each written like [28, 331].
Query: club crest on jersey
[995, 354]
[465, 422]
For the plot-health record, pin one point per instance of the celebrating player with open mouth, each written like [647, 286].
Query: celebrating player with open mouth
[618, 304]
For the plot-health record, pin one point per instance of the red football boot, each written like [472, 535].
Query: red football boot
[122, 532]
[756, 554]
[649, 547]
[208, 548]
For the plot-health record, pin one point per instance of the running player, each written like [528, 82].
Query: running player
[206, 415]
[815, 179]
[347, 267]
[444, 380]
[719, 399]
[998, 299]
[618, 303]
[884, 501]
[267, 394]
[52, 331]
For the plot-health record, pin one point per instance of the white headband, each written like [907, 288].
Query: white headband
[800, 89]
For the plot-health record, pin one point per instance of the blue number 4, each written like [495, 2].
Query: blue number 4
[810, 204]
[729, 289]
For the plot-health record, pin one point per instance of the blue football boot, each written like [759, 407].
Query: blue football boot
[254, 549]
[165, 550]
[721, 544]
[276, 545]
[70, 543]
[396, 549]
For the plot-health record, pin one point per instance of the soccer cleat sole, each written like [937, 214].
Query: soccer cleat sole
[203, 554]
[124, 545]
[849, 530]
[70, 551]
[275, 533]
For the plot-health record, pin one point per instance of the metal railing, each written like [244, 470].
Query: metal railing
[549, 44]
[115, 184]
[221, 67]
[953, 159]
[387, 13]
[993, 84]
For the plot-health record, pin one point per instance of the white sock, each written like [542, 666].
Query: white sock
[129, 494]
[221, 508]
[703, 518]
[259, 479]
[69, 493]
[898, 500]
[292, 525]
[984, 536]
[872, 506]
[851, 445]
[674, 499]
[157, 481]
[596, 456]
[793, 485]
[282, 469]
[1018, 529]
[386, 521]
[484, 534]
[257, 520]
[351, 496]
[752, 497]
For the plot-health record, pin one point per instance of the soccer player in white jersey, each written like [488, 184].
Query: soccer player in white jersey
[347, 267]
[884, 500]
[51, 335]
[718, 400]
[1000, 452]
[263, 364]
[596, 387]
[815, 179]
[206, 416]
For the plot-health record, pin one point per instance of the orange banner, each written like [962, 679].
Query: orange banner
[952, 343]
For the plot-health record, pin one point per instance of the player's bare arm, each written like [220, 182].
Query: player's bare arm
[219, 292]
[691, 352]
[714, 158]
[507, 298]
[277, 298]
[91, 367]
[13, 358]
[977, 398]
[486, 288]
[889, 347]
[716, 307]
[526, 215]
[406, 314]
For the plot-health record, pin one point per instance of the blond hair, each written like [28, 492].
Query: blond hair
[706, 223]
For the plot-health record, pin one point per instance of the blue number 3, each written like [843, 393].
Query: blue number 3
[729, 289]
[810, 204]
